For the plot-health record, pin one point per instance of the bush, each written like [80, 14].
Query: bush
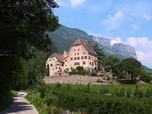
[146, 78]
[72, 72]
[80, 68]
[93, 73]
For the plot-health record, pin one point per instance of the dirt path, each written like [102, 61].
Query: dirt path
[20, 106]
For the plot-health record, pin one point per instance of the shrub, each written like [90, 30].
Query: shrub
[93, 73]
[80, 68]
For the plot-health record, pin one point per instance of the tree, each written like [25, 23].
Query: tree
[23, 26]
[100, 55]
[112, 63]
[23, 23]
[145, 76]
[130, 67]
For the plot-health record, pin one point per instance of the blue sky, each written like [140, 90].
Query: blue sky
[123, 21]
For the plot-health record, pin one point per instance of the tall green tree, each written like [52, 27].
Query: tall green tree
[112, 63]
[23, 25]
[130, 67]
[100, 55]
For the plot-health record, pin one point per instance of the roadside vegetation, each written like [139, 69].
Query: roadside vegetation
[92, 99]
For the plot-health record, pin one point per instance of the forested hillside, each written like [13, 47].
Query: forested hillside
[65, 36]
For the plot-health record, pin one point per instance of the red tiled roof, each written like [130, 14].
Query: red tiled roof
[87, 46]
[58, 56]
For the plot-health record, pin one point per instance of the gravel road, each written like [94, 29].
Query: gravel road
[20, 106]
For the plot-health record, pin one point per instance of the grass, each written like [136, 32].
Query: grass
[31, 98]
[14, 93]
[6, 100]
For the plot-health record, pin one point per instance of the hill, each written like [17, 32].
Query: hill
[65, 36]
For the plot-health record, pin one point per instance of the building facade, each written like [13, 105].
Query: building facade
[81, 53]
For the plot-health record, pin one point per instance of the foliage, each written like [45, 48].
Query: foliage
[5, 100]
[146, 76]
[130, 67]
[112, 62]
[93, 73]
[80, 68]
[81, 71]
[23, 26]
[100, 55]
[96, 99]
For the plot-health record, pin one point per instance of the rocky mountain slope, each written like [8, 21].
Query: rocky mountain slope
[65, 36]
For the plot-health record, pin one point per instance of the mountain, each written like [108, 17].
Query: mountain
[118, 49]
[147, 69]
[65, 36]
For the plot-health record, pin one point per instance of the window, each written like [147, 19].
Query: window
[78, 48]
[78, 58]
[89, 57]
[76, 63]
[84, 63]
[65, 60]
[81, 57]
[90, 63]
[74, 49]
[78, 53]
[85, 57]
[75, 58]
[57, 64]
[83, 52]
[71, 58]
[75, 54]
[51, 65]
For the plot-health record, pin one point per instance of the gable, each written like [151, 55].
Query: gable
[86, 45]
[59, 57]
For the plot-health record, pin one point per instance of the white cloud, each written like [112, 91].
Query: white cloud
[113, 22]
[75, 3]
[118, 15]
[147, 17]
[138, 42]
[136, 9]
[143, 47]
[140, 55]
[115, 40]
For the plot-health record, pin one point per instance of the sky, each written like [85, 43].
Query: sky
[123, 21]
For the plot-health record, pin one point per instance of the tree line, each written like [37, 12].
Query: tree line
[129, 68]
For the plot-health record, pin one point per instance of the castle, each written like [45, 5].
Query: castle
[80, 53]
